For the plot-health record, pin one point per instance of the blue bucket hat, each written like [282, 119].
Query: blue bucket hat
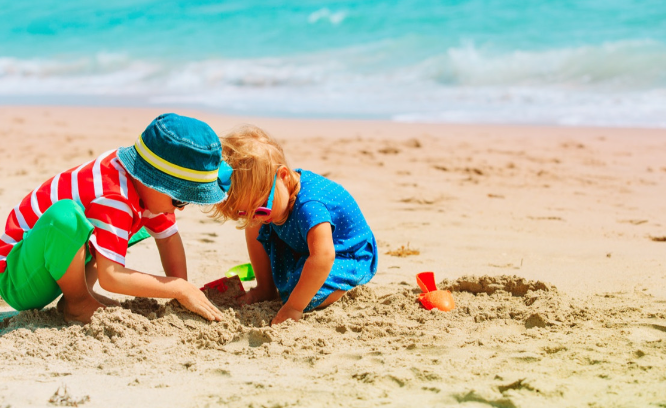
[180, 157]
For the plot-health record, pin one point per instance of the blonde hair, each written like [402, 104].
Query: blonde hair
[255, 158]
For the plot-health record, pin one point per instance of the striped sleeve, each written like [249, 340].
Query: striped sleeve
[112, 218]
[7, 242]
[160, 226]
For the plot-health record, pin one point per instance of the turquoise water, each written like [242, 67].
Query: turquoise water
[588, 62]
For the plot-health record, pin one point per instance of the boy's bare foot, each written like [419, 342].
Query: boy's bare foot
[106, 301]
[80, 311]
[256, 295]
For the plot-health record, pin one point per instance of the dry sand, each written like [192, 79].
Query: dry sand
[551, 240]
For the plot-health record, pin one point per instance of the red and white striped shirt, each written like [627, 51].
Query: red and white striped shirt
[109, 200]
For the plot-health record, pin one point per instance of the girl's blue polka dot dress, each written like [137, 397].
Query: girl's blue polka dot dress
[321, 200]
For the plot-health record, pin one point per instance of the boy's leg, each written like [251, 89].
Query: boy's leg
[91, 274]
[53, 248]
[77, 303]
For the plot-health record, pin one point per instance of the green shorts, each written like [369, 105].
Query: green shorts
[42, 257]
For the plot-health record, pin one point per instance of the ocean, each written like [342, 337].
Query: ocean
[555, 62]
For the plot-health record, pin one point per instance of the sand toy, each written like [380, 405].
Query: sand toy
[431, 296]
[224, 292]
[244, 272]
[224, 284]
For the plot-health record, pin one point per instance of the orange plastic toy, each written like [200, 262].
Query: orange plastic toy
[431, 296]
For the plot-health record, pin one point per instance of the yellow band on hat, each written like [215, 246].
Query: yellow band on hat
[173, 169]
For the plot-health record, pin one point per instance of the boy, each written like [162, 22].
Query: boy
[76, 227]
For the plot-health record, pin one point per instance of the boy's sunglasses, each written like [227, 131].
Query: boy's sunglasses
[178, 204]
[265, 210]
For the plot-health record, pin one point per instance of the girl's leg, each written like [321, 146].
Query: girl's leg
[345, 275]
[77, 304]
[333, 297]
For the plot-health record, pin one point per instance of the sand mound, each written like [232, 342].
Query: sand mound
[514, 285]
[533, 303]
[356, 340]
[395, 315]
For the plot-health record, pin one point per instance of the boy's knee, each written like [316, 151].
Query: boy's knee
[67, 218]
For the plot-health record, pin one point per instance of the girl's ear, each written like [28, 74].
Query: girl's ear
[283, 173]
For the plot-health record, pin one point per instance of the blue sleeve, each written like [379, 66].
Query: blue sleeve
[310, 214]
[264, 234]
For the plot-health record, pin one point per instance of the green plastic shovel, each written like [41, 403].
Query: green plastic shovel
[244, 272]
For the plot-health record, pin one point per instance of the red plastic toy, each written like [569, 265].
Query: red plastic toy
[222, 284]
[431, 296]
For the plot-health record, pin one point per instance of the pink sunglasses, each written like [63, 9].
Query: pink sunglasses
[266, 210]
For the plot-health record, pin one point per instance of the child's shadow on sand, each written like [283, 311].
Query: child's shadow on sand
[7, 315]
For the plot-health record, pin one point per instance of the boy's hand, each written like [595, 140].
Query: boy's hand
[193, 299]
[287, 312]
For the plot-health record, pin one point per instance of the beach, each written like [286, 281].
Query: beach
[552, 241]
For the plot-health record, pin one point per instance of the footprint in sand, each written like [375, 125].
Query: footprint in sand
[389, 150]
[423, 199]
[413, 143]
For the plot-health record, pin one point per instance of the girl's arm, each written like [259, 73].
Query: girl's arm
[172, 255]
[261, 264]
[315, 272]
[118, 279]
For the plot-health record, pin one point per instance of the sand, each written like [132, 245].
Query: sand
[550, 239]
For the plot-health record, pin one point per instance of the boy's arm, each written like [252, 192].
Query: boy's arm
[172, 255]
[118, 279]
[315, 272]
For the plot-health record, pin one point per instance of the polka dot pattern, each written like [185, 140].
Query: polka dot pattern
[321, 200]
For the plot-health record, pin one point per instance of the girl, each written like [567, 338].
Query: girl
[307, 238]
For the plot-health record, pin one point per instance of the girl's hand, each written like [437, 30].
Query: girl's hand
[193, 299]
[257, 294]
[287, 312]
